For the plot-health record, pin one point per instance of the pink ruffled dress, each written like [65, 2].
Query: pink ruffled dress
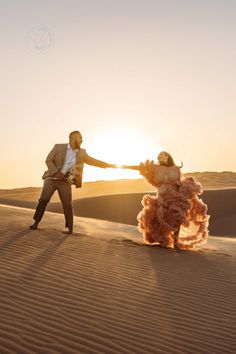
[175, 217]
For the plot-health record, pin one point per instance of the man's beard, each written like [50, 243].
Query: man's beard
[77, 144]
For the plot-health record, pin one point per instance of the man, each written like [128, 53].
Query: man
[59, 161]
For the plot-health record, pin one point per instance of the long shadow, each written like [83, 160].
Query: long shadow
[42, 259]
[12, 239]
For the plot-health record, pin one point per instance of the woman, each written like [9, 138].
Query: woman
[175, 217]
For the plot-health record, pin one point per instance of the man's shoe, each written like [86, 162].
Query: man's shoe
[67, 231]
[34, 226]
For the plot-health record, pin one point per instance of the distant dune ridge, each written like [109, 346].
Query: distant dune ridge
[209, 180]
[103, 291]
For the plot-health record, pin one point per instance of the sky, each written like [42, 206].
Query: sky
[134, 76]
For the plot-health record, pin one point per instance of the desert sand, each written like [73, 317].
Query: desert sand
[103, 291]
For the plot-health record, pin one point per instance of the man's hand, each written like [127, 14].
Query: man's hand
[60, 176]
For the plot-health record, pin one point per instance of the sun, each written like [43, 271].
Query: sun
[122, 148]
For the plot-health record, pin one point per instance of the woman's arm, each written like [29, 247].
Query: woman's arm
[129, 167]
[146, 169]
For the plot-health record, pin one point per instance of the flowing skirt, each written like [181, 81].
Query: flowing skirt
[175, 217]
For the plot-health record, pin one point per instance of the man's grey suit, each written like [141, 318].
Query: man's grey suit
[54, 162]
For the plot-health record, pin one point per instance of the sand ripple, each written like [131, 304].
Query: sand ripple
[102, 291]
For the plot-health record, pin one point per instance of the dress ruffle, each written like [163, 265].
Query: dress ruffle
[176, 216]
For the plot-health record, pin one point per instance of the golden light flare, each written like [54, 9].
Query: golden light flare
[121, 147]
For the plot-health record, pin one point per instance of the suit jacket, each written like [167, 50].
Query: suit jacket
[56, 159]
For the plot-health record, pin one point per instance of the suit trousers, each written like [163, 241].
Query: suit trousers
[64, 191]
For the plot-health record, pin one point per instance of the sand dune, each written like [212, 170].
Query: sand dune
[209, 180]
[103, 291]
[123, 208]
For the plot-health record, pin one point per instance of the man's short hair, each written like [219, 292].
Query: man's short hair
[75, 132]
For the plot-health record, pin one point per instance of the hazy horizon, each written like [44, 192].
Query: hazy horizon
[134, 76]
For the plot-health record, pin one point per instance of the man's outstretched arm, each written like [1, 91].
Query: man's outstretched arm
[98, 163]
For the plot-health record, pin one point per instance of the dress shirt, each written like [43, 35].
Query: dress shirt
[70, 159]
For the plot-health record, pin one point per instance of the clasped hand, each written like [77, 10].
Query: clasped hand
[60, 176]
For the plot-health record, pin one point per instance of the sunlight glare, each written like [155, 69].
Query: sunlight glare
[121, 148]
